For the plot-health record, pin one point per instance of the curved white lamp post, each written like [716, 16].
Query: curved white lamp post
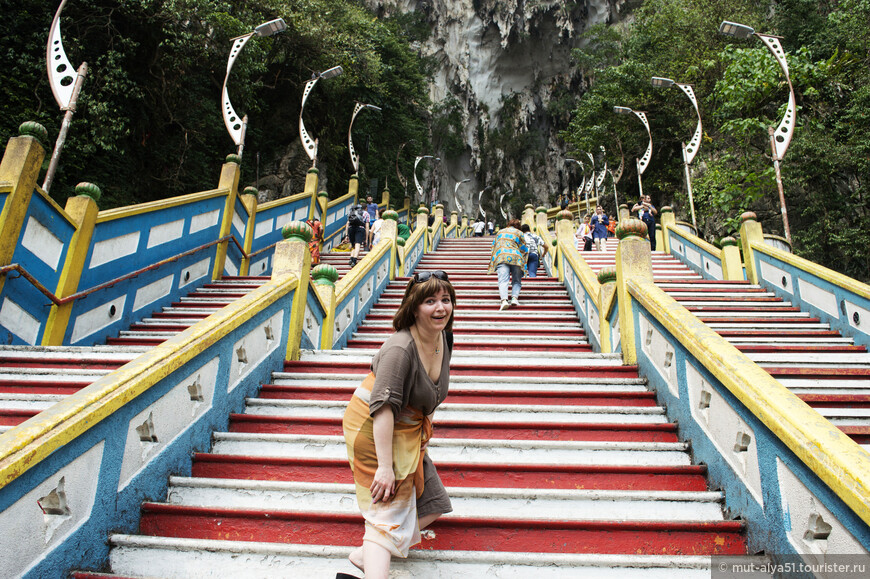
[65, 86]
[309, 144]
[235, 126]
[780, 137]
[416, 181]
[354, 158]
[456, 197]
[690, 150]
[643, 162]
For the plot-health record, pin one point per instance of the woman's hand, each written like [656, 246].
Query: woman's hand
[383, 485]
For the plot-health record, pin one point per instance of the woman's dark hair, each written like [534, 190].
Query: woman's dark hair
[514, 223]
[525, 228]
[415, 294]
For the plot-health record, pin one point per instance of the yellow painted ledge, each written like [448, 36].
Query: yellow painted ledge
[121, 212]
[30, 442]
[584, 272]
[708, 247]
[351, 279]
[815, 269]
[341, 199]
[834, 457]
[283, 201]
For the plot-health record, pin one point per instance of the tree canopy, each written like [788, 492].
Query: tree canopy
[741, 92]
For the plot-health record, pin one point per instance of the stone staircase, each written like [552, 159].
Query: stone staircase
[558, 461]
[33, 378]
[825, 369]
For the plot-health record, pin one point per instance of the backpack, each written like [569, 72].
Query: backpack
[355, 218]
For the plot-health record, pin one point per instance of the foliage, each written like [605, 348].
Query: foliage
[148, 125]
[742, 91]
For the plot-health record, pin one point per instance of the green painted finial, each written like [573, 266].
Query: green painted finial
[324, 274]
[233, 158]
[606, 275]
[391, 215]
[298, 230]
[35, 130]
[88, 190]
[631, 228]
[251, 191]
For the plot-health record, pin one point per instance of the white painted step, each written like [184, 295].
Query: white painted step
[528, 504]
[507, 359]
[171, 558]
[466, 450]
[573, 384]
[471, 413]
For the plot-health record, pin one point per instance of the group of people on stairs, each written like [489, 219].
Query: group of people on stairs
[515, 249]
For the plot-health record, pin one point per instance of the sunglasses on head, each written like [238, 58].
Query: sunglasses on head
[424, 276]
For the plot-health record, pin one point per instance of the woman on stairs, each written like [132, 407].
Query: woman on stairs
[388, 423]
[509, 256]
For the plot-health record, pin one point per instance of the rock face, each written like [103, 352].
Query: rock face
[507, 65]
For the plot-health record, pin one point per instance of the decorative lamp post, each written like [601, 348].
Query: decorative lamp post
[65, 86]
[690, 150]
[582, 186]
[456, 197]
[354, 158]
[780, 137]
[615, 177]
[480, 209]
[416, 181]
[501, 207]
[309, 144]
[237, 128]
[402, 180]
[643, 162]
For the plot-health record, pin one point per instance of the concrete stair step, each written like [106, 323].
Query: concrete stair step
[169, 558]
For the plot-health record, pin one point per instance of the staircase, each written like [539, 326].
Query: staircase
[558, 461]
[33, 378]
[821, 366]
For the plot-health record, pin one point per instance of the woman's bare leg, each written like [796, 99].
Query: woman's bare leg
[376, 561]
[356, 558]
[427, 520]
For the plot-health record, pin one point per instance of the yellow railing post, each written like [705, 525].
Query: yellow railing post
[624, 212]
[292, 257]
[668, 219]
[732, 268]
[353, 188]
[423, 221]
[529, 215]
[633, 261]
[19, 170]
[385, 200]
[750, 232]
[312, 178]
[390, 232]
[564, 235]
[249, 200]
[83, 210]
[540, 218]
[464, 226]
[323, 277]
[607, 279]
[229, 180]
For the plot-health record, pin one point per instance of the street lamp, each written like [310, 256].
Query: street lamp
[354, 158]
[643, 162]
[780, 138]
[65, 88]
[309, 144]
[480, 209]
[690, 150]
[455, 197]
[237, 128]
[416, 181]
[582, 186]
[501, 207]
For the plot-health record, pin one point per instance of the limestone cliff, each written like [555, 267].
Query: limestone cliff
[506, 64]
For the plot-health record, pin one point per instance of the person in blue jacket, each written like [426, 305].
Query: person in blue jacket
[599, 224]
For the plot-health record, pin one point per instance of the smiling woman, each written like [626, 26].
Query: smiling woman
[388, 423]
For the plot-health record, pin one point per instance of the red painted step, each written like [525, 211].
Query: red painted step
[11, 417]
[479, 534]
[461, 332]
[41, 386]
[480, 430]
[60, 363]
[602, 398]
[836, 400]
[661, 478]
[799, 348]
[460, 369]
[461, 345]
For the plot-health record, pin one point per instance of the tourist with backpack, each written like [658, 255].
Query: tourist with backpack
[356, 230]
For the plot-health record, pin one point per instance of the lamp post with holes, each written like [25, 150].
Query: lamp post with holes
[643, 162]
[65, 86]
[354, 157]
[235, 126]
[780, 137]
[690, 150]
[456, 197]
[416, 181]
[309, 144]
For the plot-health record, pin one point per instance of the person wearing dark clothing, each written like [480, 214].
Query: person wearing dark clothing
[647, 213]
[599, 225]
